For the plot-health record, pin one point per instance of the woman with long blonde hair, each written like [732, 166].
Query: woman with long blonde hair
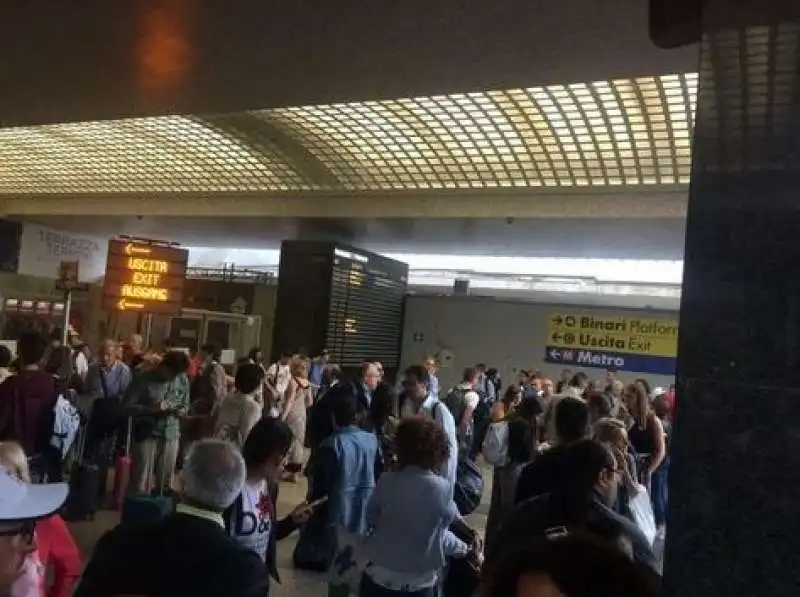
[55, 547]
[612, 433]
[647, 438]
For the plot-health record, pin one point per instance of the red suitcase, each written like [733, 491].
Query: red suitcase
[122, 470]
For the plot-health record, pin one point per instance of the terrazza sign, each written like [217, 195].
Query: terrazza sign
[146, 277]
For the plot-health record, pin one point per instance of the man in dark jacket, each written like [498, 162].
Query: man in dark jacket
[188, 553]
[549, 471]
[553, 516]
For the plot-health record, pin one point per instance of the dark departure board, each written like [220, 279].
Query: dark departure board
[344, 299]
[366, 312]
[302, 303]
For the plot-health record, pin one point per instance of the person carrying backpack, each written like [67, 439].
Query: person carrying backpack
[462, 401]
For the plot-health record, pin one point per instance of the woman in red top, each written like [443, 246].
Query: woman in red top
[56, 548]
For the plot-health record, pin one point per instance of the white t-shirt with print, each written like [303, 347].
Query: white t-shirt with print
[254, 522]
[282, 376]
[471, 397]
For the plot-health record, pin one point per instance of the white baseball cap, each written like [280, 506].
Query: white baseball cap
[26, 501]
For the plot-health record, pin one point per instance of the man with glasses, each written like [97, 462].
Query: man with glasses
[418, 400]
[588, 471]
[21, 505]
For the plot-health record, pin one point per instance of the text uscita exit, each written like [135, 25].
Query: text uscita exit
[633, 343]
[155, 266]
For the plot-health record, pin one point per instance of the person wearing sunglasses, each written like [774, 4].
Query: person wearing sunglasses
[53, 569]
[21, 505]
[587, 472]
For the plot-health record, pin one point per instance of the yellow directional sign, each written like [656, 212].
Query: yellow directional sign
[632, 335]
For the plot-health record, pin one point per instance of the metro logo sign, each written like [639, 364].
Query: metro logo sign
[144, 277]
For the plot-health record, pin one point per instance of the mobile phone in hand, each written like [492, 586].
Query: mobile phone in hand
[318, 502]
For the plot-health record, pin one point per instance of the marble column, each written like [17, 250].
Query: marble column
[734, 514]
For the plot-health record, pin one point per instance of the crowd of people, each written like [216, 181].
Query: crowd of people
[393, 468]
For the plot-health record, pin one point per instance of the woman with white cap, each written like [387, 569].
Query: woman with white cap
[55, 548]
[21, 506]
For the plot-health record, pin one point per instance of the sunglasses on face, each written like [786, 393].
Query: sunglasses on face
[24, 531]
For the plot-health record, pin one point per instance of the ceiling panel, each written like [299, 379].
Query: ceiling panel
[604, 134]
[104, 59]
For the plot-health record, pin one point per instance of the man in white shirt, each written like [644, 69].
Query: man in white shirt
[462, 402]
[574, 389]
[418, 400]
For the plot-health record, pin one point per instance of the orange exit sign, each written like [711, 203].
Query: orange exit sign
[144, 276]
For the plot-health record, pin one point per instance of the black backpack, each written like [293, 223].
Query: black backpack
[456, 402]
[201, 392]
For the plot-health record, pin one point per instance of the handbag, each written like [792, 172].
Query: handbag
[642, 513]
[495, 444]
[468, 489]
[349, 561]
[469, 486]
[461, 579]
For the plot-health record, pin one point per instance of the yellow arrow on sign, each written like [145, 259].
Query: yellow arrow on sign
[124, 305]
[131, 249]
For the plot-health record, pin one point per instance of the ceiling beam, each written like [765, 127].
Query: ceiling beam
[658, 202]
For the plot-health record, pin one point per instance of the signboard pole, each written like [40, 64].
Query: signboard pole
[65, 323]
[148, 329]
[68, 282]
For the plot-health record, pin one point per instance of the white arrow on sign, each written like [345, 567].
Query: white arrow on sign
[555, 355]
[131, 249]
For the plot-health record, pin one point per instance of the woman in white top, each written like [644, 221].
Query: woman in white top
[251, 520]
[299, 397]
[242, 409]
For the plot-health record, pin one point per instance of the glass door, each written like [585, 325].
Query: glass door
[186, 332]
[224, 330]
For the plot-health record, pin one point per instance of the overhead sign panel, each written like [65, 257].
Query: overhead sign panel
[144, 277]
[641, 344]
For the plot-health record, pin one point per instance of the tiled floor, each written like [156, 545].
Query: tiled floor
[294, 582]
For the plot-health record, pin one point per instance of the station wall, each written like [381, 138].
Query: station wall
[507, 334]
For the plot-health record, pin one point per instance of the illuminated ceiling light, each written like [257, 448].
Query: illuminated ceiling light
[606, 133]
[547, 136]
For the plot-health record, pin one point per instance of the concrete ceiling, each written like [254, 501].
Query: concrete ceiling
[641, 238]
[104, 59]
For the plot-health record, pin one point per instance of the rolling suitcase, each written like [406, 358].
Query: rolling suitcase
[122, 470]
[148, 508]
[84, 486]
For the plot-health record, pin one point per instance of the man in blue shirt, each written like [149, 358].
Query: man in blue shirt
[484, 385]
[318, 368]
[106, 383]
[109, 377]
[420, 400]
